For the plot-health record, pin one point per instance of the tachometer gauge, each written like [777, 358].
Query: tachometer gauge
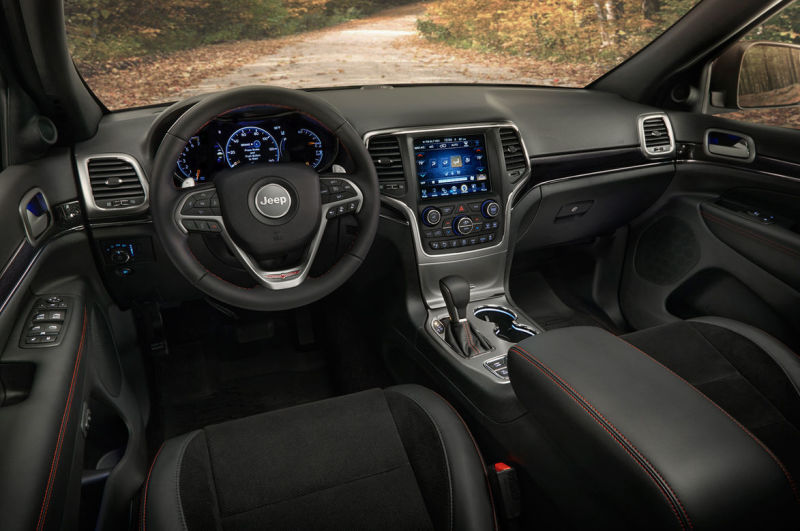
[309, 148]
[251, 144]
[189, 161]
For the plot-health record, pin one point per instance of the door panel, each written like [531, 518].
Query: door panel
[723, 240]
[49, 384]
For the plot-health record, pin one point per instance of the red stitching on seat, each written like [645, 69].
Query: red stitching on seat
[785, 471]
[616, 434]
[48, 491]
[147, 484]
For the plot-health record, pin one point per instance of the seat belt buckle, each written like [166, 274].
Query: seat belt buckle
[505, 485]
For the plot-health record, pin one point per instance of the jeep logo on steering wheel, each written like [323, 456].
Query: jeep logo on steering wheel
[273, 200]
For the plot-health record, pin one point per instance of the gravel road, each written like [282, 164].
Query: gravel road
[381, 49]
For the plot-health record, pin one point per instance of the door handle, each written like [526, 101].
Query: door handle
[35, 213]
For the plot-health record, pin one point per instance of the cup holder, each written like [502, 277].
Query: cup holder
[505, 323]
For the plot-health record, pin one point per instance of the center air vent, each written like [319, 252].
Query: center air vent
[513, 154]
[116, 182]
[655, 134]
[385, 153]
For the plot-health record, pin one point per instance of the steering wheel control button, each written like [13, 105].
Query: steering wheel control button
[431, 216]
[463, 225]
[273, 201]
[490, 208]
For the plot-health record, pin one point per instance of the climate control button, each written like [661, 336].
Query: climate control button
[490, 208]
[463, 225]
[431, 216]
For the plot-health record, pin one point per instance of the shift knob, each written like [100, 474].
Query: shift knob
[455, 291]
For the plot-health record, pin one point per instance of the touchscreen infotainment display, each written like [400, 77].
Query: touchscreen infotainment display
[449, 166]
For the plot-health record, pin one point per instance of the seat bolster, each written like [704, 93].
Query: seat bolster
[786, 359]
[161, 498]
[472, 505]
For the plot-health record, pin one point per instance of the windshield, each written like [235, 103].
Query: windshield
[141, 52]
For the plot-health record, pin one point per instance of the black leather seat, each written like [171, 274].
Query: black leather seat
[751, 375]
[689, 425]
[399, 458]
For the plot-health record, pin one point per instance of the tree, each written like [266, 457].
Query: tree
[650, 8]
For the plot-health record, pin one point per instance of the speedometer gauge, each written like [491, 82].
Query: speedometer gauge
[188, 160]
[310, 148]
[251, 144]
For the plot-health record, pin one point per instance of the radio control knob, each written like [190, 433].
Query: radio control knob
[431, 216]
[462, 225]
[490, 208]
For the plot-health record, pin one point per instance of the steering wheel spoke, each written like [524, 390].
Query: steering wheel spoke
[199, 211]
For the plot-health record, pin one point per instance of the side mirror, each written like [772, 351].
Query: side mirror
[756, 75]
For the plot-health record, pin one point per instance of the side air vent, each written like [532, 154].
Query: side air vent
[115, 182]
[655, 135]
[513, 154]
[385, 153]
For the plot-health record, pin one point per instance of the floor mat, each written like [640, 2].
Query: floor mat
[219, 368]
[551, 304]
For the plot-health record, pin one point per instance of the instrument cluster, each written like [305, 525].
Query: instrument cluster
[254, 136]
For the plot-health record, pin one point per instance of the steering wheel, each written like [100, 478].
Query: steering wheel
[265, 211]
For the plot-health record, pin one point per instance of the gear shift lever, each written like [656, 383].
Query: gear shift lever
[455, 291]
[459, 333]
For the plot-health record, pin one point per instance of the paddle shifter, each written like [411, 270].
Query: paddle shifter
[459, 333]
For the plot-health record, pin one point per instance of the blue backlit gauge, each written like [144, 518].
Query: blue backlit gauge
[309, 149]
[188, 160]
[251, 144]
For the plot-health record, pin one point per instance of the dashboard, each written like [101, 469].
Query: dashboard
[254, 135]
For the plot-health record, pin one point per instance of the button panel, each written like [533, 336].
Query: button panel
[46, 323]
[337, 190]
[498, 367]
[461, 226]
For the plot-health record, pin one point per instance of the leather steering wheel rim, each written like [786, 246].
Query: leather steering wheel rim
[165, 198]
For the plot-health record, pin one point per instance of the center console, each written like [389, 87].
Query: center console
[455, 186]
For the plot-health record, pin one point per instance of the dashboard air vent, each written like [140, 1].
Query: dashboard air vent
[116, 182]
[655, 133]
[513, 154]
[385, 153]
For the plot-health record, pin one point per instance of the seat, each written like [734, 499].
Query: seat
[747, 372]
[399, 458]
[689, 425]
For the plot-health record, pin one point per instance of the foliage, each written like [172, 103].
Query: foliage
[601, 32]
[783, 27]
[102, 31]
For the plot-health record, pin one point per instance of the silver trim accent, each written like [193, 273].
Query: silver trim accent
[13, 257]
[422, 256]
[92, 209]
[280, 279]
[667, 123]
[723, 165]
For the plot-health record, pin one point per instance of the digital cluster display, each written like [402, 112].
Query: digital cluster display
[451, 166]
